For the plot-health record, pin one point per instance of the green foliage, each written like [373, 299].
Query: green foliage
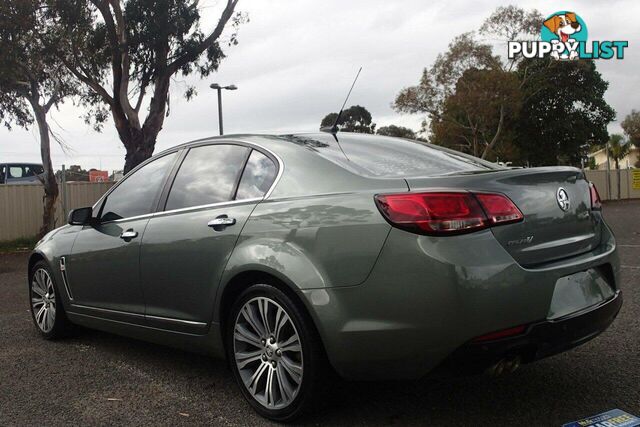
[631, 127]
[397, 131]
[125, 54]
[438, 82]
[618, 148]
[471, 115]
[466, 119]
[29, 72]
[353, 119]
[564, 111]
[527, 111]
[592, 163]
[512, 23]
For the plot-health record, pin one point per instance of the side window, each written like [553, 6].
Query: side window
[207, 175]
[257, 176]
[15, 172]
[136, 194]
[3, 173]
[36, 169]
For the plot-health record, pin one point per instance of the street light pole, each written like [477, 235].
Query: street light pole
[219, 88]
[220, 110]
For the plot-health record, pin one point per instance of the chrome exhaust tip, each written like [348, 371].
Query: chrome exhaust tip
[506, 365]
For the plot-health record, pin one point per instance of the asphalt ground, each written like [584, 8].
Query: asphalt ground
[101, 379]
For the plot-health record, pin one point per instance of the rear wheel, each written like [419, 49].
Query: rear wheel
[46, 307]
[274, 353]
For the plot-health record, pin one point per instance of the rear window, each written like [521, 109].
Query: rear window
[386, 157]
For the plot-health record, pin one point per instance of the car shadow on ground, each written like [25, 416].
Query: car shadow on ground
[550, 392]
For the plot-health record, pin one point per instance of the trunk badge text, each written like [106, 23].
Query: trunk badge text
[563, 199]
[523, 241]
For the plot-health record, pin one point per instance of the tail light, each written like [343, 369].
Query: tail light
[447, 213]
[596, 204]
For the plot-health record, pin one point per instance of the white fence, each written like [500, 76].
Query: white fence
[21, 206]
[627, 178]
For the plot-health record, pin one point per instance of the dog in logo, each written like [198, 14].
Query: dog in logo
[564, 26]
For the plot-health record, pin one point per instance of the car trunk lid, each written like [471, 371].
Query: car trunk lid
[558, 220]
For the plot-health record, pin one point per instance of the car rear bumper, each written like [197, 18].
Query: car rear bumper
[427, 298]
[541, 339]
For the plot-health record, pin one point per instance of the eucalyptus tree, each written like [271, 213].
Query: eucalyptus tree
[32, 82]
[126, 53]
[469, 90]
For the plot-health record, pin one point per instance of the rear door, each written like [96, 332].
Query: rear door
[185, 248]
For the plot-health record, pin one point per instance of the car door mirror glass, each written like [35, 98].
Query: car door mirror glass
[80, 216]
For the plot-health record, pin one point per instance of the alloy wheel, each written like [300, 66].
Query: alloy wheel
[268, 352]
[43, 300]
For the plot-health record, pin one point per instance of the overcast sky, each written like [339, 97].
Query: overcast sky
[296, 60]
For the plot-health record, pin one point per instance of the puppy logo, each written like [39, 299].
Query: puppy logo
[564, 25]
[564, 30]
[563, 35]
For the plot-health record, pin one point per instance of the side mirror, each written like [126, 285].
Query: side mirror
[80, 216]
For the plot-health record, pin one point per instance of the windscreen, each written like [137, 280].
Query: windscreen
[385, 157]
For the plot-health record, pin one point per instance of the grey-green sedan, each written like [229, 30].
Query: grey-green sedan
[376, 257]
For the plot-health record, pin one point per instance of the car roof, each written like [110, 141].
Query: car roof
[20, 164]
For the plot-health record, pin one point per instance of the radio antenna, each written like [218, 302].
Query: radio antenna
[334, 129]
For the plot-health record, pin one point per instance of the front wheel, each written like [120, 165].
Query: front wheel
[46, 307]
[274, 353]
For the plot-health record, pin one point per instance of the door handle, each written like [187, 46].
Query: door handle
[221, 222]
[129, 234]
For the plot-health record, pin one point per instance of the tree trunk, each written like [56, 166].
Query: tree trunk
[494, 140]
[49, 180]
[618, 173]
[140, 142]
[139, 148]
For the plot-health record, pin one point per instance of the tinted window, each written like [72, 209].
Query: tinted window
[33, 170]
[388, 157]
[207, 175]
[136, 194]
[257, 176]
[2, 174]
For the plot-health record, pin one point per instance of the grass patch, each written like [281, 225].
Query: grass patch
[19, 245]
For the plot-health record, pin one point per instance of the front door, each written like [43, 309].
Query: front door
[103, 268]
[186, 248]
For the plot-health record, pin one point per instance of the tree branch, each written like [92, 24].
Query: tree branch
[84, 78]
[206, 43]
[124, 65]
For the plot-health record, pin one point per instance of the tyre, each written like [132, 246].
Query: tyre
[274, 353]
[47, 311]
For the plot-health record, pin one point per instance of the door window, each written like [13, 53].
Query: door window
[137, 193]
[257, 177]
[33, 170]
[208, 175]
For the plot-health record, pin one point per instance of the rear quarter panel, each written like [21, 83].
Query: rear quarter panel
[318, 228]
[315, 242]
